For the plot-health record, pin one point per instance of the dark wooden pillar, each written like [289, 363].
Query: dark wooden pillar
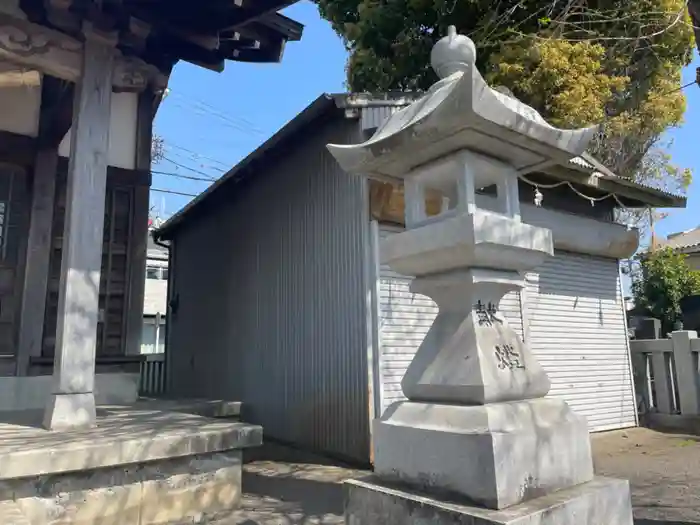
[139, 227]
[36, 272]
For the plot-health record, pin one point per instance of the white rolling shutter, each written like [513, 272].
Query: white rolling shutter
[404, 321]
[576, 327]
[574, 310]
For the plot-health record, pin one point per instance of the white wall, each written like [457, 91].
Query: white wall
[155, 297]
[32, 393]
[153, 336]
[20, 100]
[122, 132]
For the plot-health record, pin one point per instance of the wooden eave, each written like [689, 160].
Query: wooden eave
[161, 32]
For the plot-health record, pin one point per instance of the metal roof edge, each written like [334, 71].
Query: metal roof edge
[314, 110]
[669, 200]
[587, 163]
[390, 98]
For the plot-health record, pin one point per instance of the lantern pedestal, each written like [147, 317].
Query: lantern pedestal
[496, 455]
[601, 501]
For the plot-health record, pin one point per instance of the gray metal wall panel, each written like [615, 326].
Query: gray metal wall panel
[374, 116]
[272, 301]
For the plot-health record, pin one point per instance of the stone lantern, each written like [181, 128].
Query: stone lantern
[476, 438]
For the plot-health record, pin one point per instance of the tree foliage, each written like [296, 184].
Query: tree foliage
[610, 62]
[661, 280]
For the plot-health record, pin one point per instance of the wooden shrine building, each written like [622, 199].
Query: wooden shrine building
[80, 81]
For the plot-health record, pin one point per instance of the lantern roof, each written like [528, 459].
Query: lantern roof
[461, 111]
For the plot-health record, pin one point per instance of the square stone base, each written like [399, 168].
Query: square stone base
[495, 455]
[138, 466]
[599, 502]
[189, 489]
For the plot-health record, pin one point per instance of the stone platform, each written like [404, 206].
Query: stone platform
[601, 501]
[139, 466]
[496, 455]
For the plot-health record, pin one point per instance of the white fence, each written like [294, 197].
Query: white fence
[152, 382]
[666, 374]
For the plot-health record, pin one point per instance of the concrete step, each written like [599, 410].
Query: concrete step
[215, 408]
[10, 514]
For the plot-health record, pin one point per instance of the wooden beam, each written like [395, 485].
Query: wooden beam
[290, 29]
[250, 11]
[138, 245]
[54, 122]
[271, 53]
[191, 52]
[57, 54]
[56, 111]
[38, 258]
[72, 403]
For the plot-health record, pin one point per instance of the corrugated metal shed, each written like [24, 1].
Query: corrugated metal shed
[275, 316]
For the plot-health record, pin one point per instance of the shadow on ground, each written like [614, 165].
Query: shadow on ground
[287, 487]
[655, 522]
[284, 486]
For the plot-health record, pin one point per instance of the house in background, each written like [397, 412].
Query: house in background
[686, 242]
[293, 315]
[155, 298]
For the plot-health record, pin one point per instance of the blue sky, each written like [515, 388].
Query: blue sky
[210, 120]
[685, 150]
[224, 116]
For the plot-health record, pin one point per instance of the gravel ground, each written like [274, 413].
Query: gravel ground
[284, 487]
[663, 469]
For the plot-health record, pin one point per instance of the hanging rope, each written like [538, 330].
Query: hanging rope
[539, 197]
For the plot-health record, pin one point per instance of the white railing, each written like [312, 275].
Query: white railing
[666, 374]
[152, 382]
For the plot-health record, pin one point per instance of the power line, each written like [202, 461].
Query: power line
[180, 176]
[198, 161]
[187, 167]
[634, 110]
[202, 108]
[196, 155]
[174, 192]
[676, 90]
[224, 121]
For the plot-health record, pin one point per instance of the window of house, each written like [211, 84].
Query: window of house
[152, 272]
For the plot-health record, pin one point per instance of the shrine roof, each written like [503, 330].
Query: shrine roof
[161, 32]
